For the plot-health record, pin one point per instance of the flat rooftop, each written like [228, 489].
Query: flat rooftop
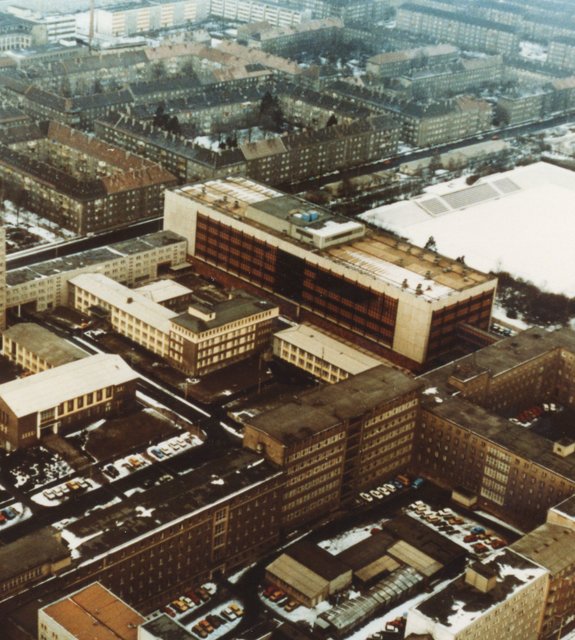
[550, 545]
[495, 223]
[44, 344]
[380, 256]
[30, 551]
[95, 605]
[91, 257]
[501, 357]
[128, 301]
[241, 305]
[323, 408]
[233, 473]
[460, 605]
[321, 345]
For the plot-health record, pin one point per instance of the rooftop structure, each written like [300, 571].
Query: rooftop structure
[506, 587]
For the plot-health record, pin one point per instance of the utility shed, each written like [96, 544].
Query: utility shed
[308, 573]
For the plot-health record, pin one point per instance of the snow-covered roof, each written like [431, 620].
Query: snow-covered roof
[460, 604]
[506, 221]
[50, 388]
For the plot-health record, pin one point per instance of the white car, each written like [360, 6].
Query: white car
[366, 496]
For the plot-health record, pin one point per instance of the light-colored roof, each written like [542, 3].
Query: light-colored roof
[163, 290]
[297, 576]
[49, 388]
[408, 554]
[377, 567]
[550, 545]
[94, 613]
[320, 345]
[128, 300]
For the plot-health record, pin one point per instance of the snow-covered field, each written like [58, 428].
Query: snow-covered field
[528, 233]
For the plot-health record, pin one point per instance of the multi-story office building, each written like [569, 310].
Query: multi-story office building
[504, 592]
[460, 29]
[552, 546]
[323, 356]
[337, 440]
[466, 439]
[133, 262]
[82, 183]
[371, 288]
[36, 349]
[130, 313]
[55, 399]
[205, 338]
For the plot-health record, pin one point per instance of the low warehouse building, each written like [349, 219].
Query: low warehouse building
[36, 349]
[308, 573]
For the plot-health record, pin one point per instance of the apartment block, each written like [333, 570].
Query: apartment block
[337, 440]
[273, 13]
[366, 287]
[81, 183]
[395, 63]
[130, 19]
[561, 53]
[54, 400]
[436, 122]
[472, 33]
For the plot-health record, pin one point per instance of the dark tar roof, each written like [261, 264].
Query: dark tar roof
[31, 551]
[512, 570]
[91, 257]
[242, 305]
[317, 560]
[217, 480]
[330, 405]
